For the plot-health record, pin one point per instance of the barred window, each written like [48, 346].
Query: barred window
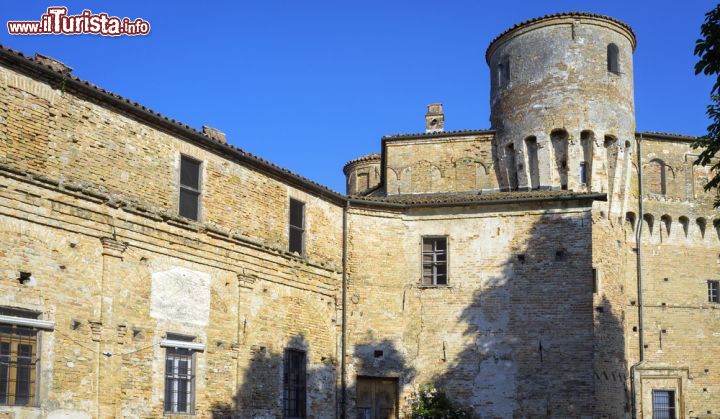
[297, 227]
[179, 380]
[294, 383]
[189, 206]
[663, 404]
[434, 259]
[713, 289]
[18, 363]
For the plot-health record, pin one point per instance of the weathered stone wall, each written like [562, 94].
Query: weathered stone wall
[512, 333]
[66, 136]
[87, 206]
[117, 282]
[556, 79]
[440, 163]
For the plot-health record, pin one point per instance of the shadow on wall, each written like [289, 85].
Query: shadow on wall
[532, 343]
[533, 350]
[261, 393]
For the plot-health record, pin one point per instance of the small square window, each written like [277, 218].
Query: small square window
[713, 289]
[434, 261]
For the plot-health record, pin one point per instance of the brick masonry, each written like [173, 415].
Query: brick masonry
[89, 202]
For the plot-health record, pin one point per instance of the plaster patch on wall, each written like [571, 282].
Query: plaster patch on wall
[181, 295]
[68, 414]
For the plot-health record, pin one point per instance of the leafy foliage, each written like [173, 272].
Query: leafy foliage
[708, 49]
[429, 403]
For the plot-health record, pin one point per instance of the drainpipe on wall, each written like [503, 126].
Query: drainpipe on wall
[638, 237]
[343, 342]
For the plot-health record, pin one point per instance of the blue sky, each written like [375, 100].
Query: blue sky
[309, 85]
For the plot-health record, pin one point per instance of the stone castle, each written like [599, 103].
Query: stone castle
[150, 269]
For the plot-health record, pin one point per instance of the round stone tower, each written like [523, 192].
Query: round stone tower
[562, 104]
[362, 174]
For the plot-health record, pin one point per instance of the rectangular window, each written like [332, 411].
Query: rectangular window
[18, 362]
[434, 261]
[663, 404]
[189, 188]
[179, 380]
[294, 384]
[583, 173]
[297, 227]
[713, 289]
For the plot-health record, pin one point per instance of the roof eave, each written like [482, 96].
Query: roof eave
[173, 126]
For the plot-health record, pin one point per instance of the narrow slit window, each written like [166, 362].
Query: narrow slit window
[713, 290]
[179, 380]
[583, 173]
[294, 384]
[434, 259]
[297, 227]
[613, 64]
[189, 188]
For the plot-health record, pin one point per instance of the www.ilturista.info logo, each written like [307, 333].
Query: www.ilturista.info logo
[57, 22]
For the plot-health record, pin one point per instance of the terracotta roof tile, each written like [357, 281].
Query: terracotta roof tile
[444, 199]
[440, 134]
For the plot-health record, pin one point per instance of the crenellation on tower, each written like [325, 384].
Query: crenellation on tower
[553, 79]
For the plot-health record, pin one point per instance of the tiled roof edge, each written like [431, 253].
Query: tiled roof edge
[457, 133]
[384, 202]
[366, 157]
[555, 16]
[19, 59]
[667, 135]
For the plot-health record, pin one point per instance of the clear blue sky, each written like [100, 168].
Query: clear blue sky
[311, 84]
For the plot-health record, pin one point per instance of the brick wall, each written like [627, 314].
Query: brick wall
[518, 281]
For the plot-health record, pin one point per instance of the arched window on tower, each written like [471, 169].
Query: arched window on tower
[559, 140]
[586, 140]
[613, 60]
[511, 167]
[503, 72]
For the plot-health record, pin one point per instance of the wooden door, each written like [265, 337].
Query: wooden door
[377, 398]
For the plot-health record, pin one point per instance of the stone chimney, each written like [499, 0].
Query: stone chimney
[214, 133]
[53, 63]
[434, 118]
